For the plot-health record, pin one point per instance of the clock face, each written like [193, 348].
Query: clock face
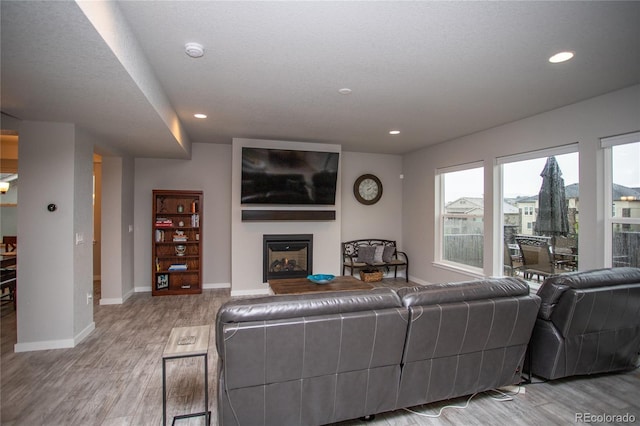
[367, 189]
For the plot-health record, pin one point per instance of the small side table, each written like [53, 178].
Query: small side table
[186, 342]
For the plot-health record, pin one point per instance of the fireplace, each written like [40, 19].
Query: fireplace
[287, 256]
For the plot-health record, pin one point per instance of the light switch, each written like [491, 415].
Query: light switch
[79, 238]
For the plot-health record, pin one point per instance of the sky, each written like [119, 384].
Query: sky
[523, 178]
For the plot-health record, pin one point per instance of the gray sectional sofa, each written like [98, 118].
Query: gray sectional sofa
[326, 357]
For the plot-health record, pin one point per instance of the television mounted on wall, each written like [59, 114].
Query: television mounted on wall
[281, 176]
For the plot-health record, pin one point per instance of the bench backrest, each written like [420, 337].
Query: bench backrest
[350, 248]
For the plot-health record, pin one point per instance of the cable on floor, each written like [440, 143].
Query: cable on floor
[501, 397]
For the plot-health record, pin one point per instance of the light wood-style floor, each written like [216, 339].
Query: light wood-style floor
[114, 377]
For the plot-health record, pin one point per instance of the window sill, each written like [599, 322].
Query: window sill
[455, 267]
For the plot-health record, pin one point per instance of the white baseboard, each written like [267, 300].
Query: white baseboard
[217, 285]
[111, 301]
[117, 300]
[253, 292]
[55, 344]
[142, 289]
[418, 281]
[84, 333]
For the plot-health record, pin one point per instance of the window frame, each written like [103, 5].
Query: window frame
[439, 261]
[607, 144]
[498, 267]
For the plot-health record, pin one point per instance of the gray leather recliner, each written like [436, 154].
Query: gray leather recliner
[309, 359]
[589, 322]
[465, 337]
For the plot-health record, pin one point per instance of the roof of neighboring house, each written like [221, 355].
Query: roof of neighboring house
[619, 191]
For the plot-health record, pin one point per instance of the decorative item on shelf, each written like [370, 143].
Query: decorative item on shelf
[194, 206]
[162, 282]
[181, 223]
[180, 208]
[181, 250]
[179, 237]
[163, 222]
[195, 220]
[321, 278]
[178, 267]
[370, 275]
[159, 236]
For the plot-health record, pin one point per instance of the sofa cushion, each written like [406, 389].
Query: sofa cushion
[463, 291]
[554, 287]
[378, 255]
[366, 254]
[387, 254]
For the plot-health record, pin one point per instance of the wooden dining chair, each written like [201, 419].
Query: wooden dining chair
[10, 243]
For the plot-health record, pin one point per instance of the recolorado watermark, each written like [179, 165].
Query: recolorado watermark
[604, 418]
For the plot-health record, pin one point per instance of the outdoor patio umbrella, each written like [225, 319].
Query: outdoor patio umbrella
[553, 219]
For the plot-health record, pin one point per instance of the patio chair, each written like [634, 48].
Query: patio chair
[512, 262]
[565, 252]
[536, 257]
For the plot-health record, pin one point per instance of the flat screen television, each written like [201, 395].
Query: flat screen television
[280, 176]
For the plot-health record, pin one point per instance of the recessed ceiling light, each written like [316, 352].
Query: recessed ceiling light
[394, 132]
[200, 115]
[344, 91]
[561, 57]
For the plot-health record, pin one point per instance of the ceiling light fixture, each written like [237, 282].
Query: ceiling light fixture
[199, 115]
[194, 50]
[344, 91]
[561, 57]
[394, 132]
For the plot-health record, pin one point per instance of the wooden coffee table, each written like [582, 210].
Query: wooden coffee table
[303, 285]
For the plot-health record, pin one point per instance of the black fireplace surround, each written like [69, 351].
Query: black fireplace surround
[287, 256]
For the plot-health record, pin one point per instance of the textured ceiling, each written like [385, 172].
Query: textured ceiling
[272, 70]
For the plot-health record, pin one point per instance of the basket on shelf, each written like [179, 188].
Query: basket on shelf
[371, 275]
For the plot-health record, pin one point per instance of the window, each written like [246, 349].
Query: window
[521, 210]
[622, 172]
[461, 216]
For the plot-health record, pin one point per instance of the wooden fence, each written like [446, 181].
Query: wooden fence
[464, 248]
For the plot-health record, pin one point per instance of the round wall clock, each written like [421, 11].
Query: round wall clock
[367, 189]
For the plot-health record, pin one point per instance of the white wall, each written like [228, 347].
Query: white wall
[53, 271]
[584, 122]
[383, 219]
[111, 262]
[246, 240]
[209, 171]
[117, 251]
[83, 226]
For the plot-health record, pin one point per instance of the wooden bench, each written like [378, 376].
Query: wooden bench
[387, 257]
